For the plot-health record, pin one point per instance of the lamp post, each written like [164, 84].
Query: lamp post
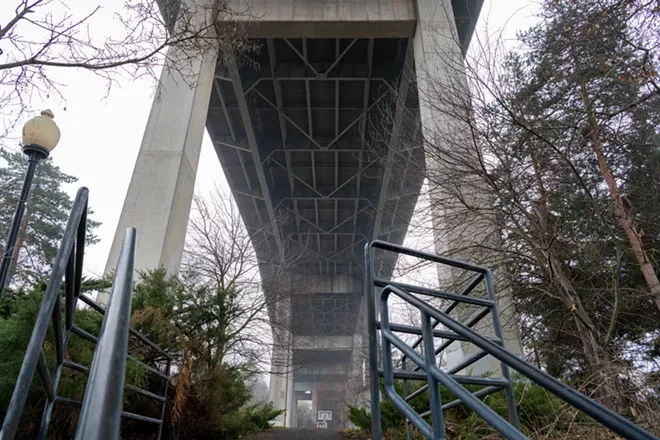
[40, 136]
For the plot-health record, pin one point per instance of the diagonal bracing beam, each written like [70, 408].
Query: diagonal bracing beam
[339, 56]
[252, 142]
[268, 101]
[395, 140]
[302, 57]
[278, 102]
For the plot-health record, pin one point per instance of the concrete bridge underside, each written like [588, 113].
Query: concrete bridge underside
[315, 167]
[300, 138]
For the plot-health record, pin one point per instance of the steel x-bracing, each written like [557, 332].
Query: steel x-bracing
[296, 139]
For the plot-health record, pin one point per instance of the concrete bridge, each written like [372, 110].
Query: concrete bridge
[315, 173]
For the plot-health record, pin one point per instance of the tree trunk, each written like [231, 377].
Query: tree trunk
[621, 212]
[551, 263]
[601, 363]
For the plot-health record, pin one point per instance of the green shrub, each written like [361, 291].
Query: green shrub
[539, 411]
[360, 418]
[213, 405]
[17, 318]
[261, 415]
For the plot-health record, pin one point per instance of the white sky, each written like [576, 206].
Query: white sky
[101, 134]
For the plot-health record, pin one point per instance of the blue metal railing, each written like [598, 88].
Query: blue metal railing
[100, 417]
[111, 353]
[427, 370]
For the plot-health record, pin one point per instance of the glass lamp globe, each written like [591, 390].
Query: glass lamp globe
[41, 131]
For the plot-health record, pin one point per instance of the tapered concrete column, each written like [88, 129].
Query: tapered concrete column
[328, 362]
[440, 74]
[281, 385]
[160, 193]
[281, 377]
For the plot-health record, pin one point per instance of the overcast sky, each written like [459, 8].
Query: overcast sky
[101, 133]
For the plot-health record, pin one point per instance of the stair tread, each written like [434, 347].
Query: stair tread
[300, 434]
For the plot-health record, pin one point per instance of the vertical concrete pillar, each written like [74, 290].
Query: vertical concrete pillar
[160, 193]
[439, 70]
[320, 373]
[281, 385]
[281, 378]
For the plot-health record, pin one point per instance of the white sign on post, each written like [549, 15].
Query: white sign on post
[325, 415]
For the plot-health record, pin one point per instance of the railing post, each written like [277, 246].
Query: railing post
[164, 404]
[405, 397]
[434, 389]
[497, 327]
[370, 301]
[100, 418]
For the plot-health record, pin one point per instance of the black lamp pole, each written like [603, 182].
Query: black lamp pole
[35, 153]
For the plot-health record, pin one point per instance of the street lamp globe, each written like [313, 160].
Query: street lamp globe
[40, 137]
[41, 134]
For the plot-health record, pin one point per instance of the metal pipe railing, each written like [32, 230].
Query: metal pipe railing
[435, 375]
[76, 226]
[488, 306]
[379, 282]
[371, 281]
[67, 269]
[426, 370]
[470, 287]
[608, 418]
[100, 417]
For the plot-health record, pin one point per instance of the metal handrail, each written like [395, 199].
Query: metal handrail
[65, 261]
[434, 376]
[489, 307]
[609, 418]
[67, 268]
[100, 417]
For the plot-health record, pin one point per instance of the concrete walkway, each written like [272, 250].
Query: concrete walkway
[299, 434]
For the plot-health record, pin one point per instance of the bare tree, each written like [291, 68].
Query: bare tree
[136, 37]
[220, 252]
[517, 182]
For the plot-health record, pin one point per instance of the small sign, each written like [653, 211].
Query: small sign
[325, 415]
[321, 425]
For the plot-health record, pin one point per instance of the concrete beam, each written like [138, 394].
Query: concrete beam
[326, 342]
[323, 19]
[252, 142]
[325, 283]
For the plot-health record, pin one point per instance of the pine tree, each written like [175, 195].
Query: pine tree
[564, 139]
[46, 215]
[606, 80]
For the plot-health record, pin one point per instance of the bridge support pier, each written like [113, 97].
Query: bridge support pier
[160, 194]
[439, 65]
[282, 385]
[318, 349]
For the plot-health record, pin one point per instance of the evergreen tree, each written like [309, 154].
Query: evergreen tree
[46, 214]
[563, 142]
[600, 83]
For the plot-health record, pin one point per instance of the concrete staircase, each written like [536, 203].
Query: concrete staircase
[300, 434]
